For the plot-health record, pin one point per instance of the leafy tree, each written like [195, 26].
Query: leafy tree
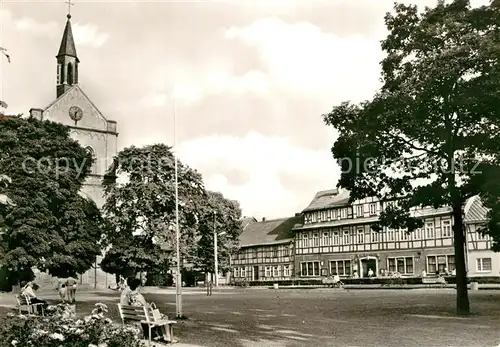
[51, 227]
[434, 123]
[142, 210]
[222, 216]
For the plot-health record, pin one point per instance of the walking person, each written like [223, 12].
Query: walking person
[71, 285]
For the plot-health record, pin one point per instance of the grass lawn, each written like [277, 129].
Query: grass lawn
[322, 317]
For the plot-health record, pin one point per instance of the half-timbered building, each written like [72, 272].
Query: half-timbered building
[481, 260]
[265, 251]
[336, 238]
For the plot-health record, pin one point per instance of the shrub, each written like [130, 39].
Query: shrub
[61, 328]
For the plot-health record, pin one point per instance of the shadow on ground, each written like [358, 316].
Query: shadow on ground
[247, 317]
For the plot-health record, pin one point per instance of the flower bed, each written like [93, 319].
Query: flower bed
[61, 328]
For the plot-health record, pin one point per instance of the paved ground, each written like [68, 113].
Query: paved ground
[324, 317]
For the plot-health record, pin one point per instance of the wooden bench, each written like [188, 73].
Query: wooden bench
[144, 315]
[24, 304]
[429, 281]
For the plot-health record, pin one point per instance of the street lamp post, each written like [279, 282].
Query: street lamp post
[216, 251]
[178, 280]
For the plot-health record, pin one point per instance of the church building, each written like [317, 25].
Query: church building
[73, 108]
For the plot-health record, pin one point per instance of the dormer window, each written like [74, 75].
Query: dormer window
[343, 213]
[359, 211]
[373, 209]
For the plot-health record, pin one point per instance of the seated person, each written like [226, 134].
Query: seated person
[28, 290]
[131, 296]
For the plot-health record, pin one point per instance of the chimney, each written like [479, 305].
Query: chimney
[36, 113]
[263, 219]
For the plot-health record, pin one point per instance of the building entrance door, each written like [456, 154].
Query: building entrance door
[255, 273]
[366, 265]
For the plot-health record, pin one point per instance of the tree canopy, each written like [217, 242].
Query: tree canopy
[52, 226]
[142, 210]
[224, 217]
[430, 135]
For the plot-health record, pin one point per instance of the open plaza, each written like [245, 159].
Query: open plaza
[241, 317]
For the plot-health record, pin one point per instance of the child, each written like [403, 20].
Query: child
[62, 292]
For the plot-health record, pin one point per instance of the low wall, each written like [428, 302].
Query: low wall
[375, 280]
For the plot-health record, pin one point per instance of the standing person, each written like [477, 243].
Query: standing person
[370, 273]
[71, 285]
[63, 292]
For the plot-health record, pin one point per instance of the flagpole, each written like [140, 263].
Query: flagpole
[178, 281]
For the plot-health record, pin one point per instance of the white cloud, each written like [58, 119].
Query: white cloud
[89, 35]
[214, 82]
[263, 159]
[153, 100]
[301, 57]
[36, 28]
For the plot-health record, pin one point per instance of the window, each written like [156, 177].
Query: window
[286, 251]
[360, 236]
[306, 240]
[403, 265]
[404, 234]
[374, 236]
[59, 74]
[359, 210]
[314, 216]
[267, 271]
[373, 209]
[286, 270]
[310, 268]
[483, 264]
[429, 230]
[276, 271]
[390, 235]
[335, 237]
[334, 214]
[417, 234]
[326, 239]
[340, 267]
[451, 263]
[440, 263]
[316, 240]
[254, 254]
[275, 252]
[243, 272]
[308, 218]
[235, 272]
[446, 228]
[346, 237]
[343, 213]
[242, 255]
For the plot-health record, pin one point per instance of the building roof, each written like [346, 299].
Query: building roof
[269, 232]
[328, 198]
[68, 43]
[246, 221]
[475, 211]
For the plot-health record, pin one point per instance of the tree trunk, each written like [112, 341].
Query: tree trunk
[463, 307]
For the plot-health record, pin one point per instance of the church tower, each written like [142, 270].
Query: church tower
[67, 61]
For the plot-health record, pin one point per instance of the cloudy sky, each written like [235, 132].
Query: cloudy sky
[252, 79]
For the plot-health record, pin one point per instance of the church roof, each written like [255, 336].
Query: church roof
[68, 43]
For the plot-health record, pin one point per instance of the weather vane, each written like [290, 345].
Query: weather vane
[69, 7]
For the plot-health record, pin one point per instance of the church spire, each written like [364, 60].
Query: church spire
[67, 60]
